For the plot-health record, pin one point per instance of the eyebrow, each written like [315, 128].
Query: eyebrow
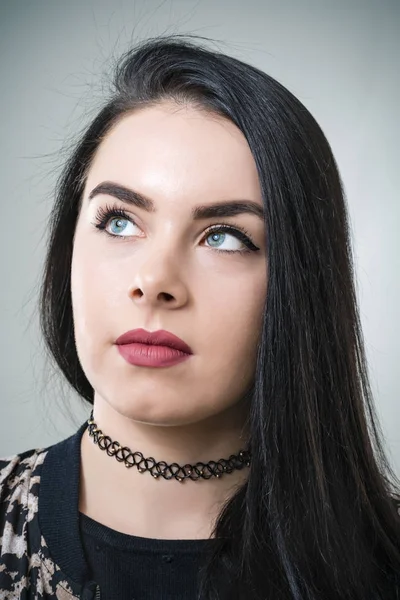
[228, 208]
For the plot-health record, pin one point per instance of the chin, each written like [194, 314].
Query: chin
[162, 418]
[160, 415]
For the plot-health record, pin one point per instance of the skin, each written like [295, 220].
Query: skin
[168, 274]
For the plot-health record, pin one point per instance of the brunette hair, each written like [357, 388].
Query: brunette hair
[317, 517]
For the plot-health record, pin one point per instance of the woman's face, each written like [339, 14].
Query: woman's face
[165, 269]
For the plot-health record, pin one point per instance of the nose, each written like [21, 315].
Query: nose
[158, 281]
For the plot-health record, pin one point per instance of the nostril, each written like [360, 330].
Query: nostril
[167, 296]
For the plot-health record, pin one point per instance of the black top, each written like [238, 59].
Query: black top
[128, 567]
[125, 567]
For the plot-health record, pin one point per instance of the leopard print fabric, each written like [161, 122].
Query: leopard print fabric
[27, 570]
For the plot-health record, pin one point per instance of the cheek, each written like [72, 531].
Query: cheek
[233, 323]
[96, 278]
[236, 302]
[92, 289]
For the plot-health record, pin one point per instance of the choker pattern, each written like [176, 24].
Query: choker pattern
[195, 472]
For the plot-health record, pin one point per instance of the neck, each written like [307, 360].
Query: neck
[138, 504]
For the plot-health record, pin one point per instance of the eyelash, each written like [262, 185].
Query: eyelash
[104, 215]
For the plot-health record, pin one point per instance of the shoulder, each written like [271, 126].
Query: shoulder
[25, 562]
[20, 463]
[18, 475]
[19, 494]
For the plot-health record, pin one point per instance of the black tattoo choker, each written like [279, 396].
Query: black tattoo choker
[162, 469]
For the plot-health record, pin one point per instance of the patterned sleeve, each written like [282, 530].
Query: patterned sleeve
[16, 503]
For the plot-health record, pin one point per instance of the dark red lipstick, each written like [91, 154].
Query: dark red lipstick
[152, 348]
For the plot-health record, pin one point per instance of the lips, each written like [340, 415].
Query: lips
[154, 338]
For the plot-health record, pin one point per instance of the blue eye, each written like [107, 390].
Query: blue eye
[118, 225]
[240, 243]
[219, 237]
[215, 236]
[115, 222]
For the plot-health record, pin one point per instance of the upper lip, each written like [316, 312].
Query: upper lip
[154, 338]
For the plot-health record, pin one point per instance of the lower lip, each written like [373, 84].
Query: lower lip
[145, 355]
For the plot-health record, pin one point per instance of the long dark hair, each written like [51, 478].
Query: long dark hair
[317, 518]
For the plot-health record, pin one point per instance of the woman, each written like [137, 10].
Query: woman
[198, 293]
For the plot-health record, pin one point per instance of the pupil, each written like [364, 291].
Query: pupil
[119, 224]
[217, 237]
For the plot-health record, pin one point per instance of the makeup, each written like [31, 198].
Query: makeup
[152, 348]
[145, 355]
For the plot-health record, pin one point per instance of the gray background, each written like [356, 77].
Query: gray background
[340, 57]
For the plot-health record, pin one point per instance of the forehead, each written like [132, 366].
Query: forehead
[166, 150]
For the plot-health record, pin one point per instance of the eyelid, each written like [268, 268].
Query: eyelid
[228, 227]
[108, 212]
